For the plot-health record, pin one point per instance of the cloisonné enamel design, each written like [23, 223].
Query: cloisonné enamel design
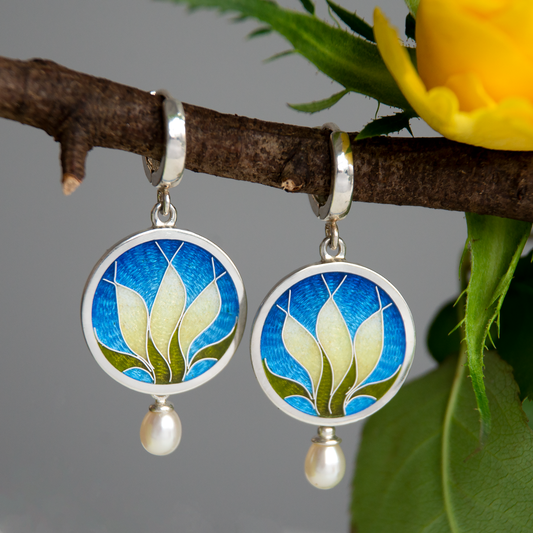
[333, 341]
[164, 311]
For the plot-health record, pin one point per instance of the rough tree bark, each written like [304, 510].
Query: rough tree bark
[81, 112]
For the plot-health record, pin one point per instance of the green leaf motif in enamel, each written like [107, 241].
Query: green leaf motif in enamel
[285, 387]
[122, 361]
[160, 364]
[215, 351]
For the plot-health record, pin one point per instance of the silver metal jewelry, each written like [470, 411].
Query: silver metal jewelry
[169, 170]
[164, 310]
[333, 342]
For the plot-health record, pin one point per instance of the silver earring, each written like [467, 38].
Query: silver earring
[333, 342]
[164, 310]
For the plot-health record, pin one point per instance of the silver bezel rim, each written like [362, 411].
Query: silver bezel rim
[289, 281]
[95, 277]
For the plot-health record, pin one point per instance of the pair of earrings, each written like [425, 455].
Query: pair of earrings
[164, 311]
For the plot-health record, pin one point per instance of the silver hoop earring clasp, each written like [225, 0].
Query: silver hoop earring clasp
[339, 200]
[169, 171]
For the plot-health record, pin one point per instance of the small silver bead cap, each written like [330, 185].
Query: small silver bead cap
[326, 437]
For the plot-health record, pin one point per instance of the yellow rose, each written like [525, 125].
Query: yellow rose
[475, 69]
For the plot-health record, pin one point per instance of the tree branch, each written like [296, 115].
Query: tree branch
[81, 112]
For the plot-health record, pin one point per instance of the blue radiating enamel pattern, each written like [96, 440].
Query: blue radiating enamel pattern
[333, 344]
[123, 316]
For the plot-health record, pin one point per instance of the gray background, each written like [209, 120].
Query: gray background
[71, 460]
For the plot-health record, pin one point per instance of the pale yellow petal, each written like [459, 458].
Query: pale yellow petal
[303, 347]
[368, 345]
[334, 337]
[507, 125]
[133, 319]
[201, 313]
[167, 310]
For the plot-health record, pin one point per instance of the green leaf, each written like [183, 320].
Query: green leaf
[177, 361]
[355, 23]
[410, 27]
[121, 361]
[308, 6]
[386, 125]
[263, 30]
[527, 406]
[351, 61]
[337, 401]
[285, 387]
[418, 470]
[323, 393]
[215, 351]
[495, 244]
[515, 343]
[314, 107]
[444, 338]
[279, 56]
[377, 390]
[161, 367]
[413, 6]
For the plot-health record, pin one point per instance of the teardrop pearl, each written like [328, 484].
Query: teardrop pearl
[161, 432]
[325, 465]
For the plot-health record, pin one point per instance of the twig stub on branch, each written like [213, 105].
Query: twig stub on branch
[82, 111]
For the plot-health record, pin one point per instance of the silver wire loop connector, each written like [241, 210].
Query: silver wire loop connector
[339, 200]
[163, 198]
[169, 170]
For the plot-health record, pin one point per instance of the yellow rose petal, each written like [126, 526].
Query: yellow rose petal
[470, 91]
[517, 22]
[454, 40]
[507, 125]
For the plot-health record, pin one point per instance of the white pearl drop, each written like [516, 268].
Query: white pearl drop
[161, 432]
[325, 465]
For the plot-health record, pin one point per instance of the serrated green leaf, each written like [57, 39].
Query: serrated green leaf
[121, 361]
[215, 351]
[377, 390]
[413, 6]
[177, 361]
[444, 338]
[319, 105]
[285, 387]
[355, 23]
[263, 30]
[323, 393]
[351, 61]
[308, 6]
[418, 470]
[161, 366]
[495, 244]
[386, 125]
[337, 401]
[410, 27]
[515, 343]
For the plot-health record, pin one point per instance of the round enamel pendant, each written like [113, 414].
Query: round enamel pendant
[332, 343]
[163, 311]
